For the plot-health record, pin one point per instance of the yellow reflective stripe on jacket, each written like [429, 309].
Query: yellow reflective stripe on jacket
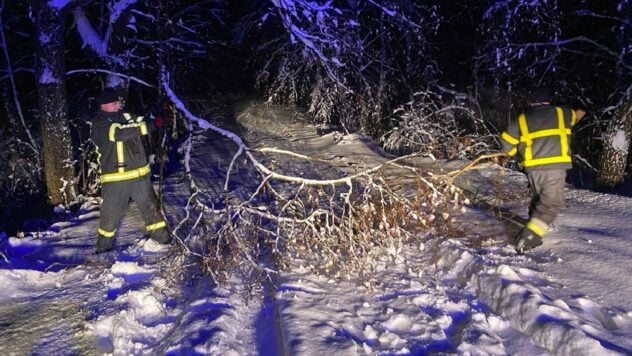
[143, 128]
[112, 131]
[105, 233]
[524, 137]
[550, 132]
[548, 160]
[156, 226]
[120, 153]
[129, 117]
[133, 174]
[512, 141]
[562, 131]
[120, 156]
[507, 137]
[573, 118]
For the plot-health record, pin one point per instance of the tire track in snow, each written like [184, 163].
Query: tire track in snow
[215, 319]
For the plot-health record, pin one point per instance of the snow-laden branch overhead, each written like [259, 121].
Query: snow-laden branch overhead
[91, 38]
[88, 34]
[117, 9]
[59, 4]
[111, 73]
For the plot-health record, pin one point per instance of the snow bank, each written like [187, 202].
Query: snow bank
[509, 292]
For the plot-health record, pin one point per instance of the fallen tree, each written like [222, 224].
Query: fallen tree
[333, 225]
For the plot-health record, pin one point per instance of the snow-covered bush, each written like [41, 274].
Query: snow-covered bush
[20, 174]
[88, 169]
[441, 128]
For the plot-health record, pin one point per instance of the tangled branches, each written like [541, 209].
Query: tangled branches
[327, 220]
[444, 129]
[333, 226]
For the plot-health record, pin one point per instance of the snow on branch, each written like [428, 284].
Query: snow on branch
[118, 7]
[88, 34]
[395, 14]
[314, 26]
[578, 39]
[111, 73]
[59, 4]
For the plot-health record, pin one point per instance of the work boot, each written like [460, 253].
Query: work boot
[526, 240]
[104, 244]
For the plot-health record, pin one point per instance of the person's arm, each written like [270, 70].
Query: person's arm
[579, 114]
[510, 139]
[99, 132]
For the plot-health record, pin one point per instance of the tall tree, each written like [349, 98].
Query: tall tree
[348, 62]
[616, 143]
[51, 92]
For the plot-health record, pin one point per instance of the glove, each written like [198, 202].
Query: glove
[159, 121]
[162, 121]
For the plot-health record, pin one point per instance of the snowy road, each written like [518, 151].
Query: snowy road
[465, 295]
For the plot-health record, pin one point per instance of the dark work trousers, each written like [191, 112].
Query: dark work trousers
[547, 194]
[116, 196]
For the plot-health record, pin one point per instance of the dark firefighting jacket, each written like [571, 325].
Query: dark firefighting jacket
[120, 151]
[541, 137]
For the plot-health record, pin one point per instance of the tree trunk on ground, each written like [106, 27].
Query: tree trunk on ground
[616, 145]
[51, 85]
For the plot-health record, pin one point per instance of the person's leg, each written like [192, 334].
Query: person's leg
[548, 190]
[115, 199]
[534, 195]
[145, 197]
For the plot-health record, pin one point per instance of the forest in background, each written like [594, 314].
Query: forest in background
[438, 77]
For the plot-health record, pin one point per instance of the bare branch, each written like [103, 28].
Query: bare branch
[112, 73]
[10, 74]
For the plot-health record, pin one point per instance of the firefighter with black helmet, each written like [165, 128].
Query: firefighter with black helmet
[125, 172]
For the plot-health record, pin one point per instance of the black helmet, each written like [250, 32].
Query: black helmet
[109, 95]
[539, 95]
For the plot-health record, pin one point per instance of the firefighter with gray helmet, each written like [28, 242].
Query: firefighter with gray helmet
[540, 138]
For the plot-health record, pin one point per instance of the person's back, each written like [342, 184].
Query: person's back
[541, 138]
[546, 136]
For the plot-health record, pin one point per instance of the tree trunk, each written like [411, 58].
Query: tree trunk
[51, 91]
[616, 145]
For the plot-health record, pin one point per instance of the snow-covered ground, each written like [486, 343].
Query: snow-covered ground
[465, 295]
